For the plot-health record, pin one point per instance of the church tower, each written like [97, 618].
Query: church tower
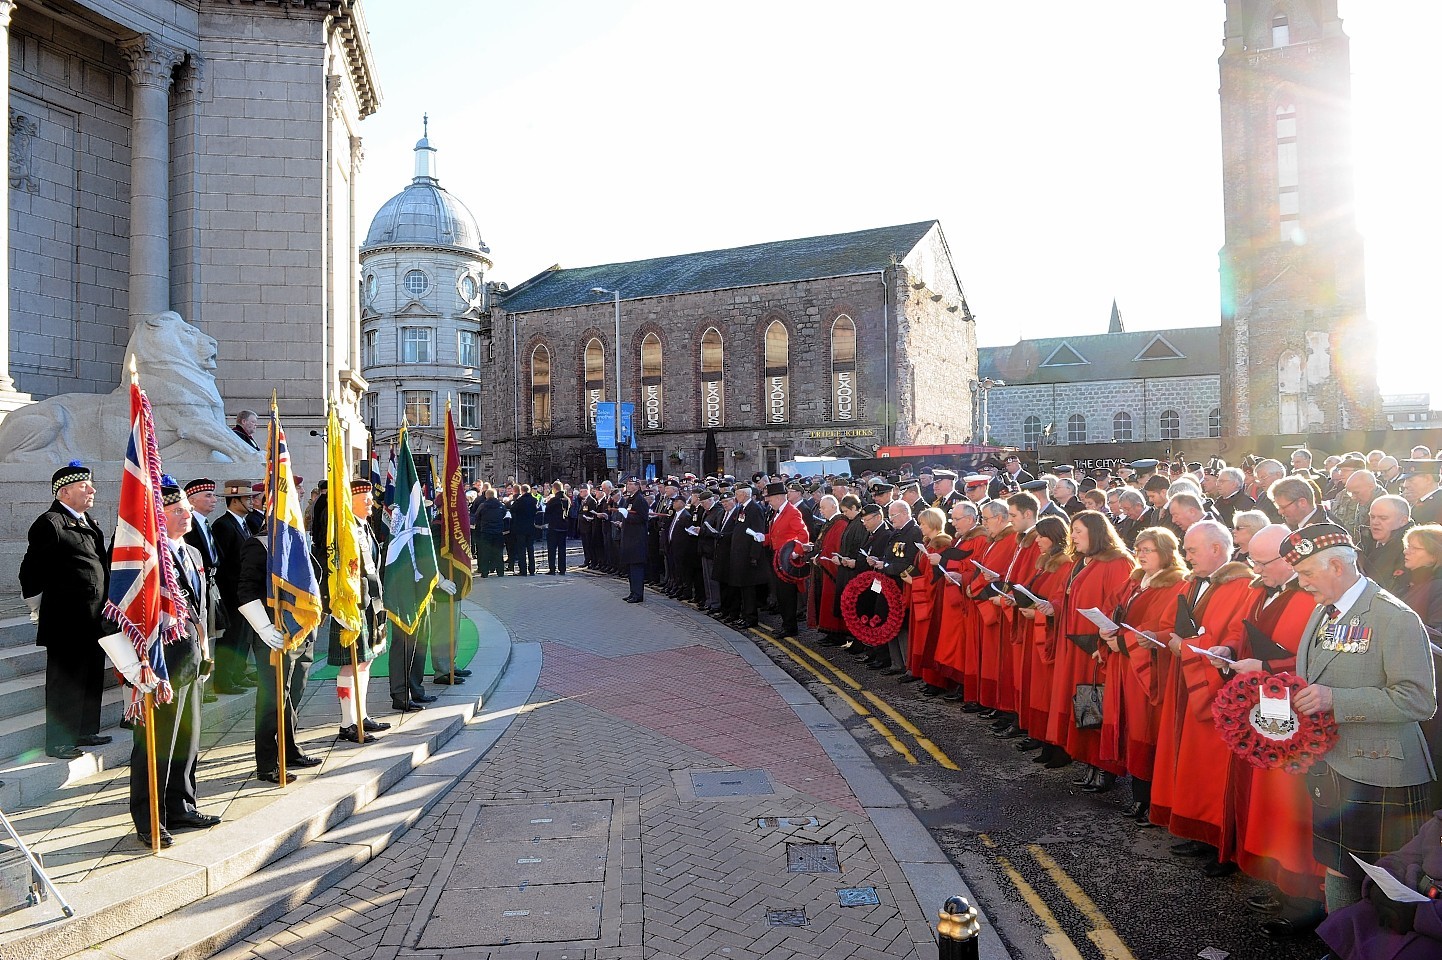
[1298, 355]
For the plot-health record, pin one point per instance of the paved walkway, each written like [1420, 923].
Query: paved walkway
[667, 792]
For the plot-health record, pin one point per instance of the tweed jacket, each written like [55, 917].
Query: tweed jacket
[1378, 694]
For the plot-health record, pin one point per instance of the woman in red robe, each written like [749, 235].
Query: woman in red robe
[1053, 542]
[923, 599]
[957, 655]
[1098, 578]
[1136, 666]
[823, 607]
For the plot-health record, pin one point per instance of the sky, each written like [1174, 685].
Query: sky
[1070, 148]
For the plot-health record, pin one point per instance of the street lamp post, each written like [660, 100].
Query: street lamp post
[986, 388]
[616, 296]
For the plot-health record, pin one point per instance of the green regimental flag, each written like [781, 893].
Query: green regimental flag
[410, 574]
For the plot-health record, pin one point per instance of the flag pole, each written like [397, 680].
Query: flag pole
[451, 609]
[277, 657]
[360, 720]
[154, 778]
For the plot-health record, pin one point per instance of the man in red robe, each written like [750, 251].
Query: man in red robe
[822, 608]
[1021, 510]
[993, 563]
[786, 525]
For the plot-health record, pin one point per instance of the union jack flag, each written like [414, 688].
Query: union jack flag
[143, 587]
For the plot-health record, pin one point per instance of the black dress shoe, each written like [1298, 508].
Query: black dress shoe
[1191, 848]
[1028, 744]
[409, 706]
[1047, 752]
[989, 713]
[273, 776]
[971, 706]
[956, 696]
[1264, 903]
[64, 753]
[1282, 928]
[226, 689]
[931, 690]
[303, 761]
[351, 735]
[1001, 722]
[463, 673]
[424, 698]
[1144, 817]
[374, 726]
[889, 671]
[192, 820]
[912, 679]
[1219, 869]
[1059, 758]
[1009, 732]
[166, 839]
[1104, 781]
[1087, 778]
[94, 740]
[635, 600]
[445, 679]
[1131, 810]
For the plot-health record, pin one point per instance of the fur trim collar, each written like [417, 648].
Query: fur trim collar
[1232, 570]
[1164, 578]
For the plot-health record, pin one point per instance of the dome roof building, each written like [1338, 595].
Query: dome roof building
[424, 301]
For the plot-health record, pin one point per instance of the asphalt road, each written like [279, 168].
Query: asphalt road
[1061, 873]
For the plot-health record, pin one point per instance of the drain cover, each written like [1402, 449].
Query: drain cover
[811, 858]
[731, 783]
[790, 917]
[858, 897]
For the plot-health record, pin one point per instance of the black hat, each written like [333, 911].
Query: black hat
[1063, 470]
[871, 510]
[1011, 456]
[170, 491]
[73, 472]
[1142, 466]
[1312, 539]
[991, 463]
[199, 485]
[775, 489]
[1429, 468]
[1193, 467]
[882, 487]
[1101, 473]
[941, 473]
[1031, 485]
[911, 485]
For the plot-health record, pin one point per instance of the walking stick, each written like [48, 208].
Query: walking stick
[154, 777]
[278, 657]
[451, 608]
[360, 720]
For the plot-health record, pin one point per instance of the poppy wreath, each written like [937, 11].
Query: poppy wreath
[783, 561]
[1290, 745]
[873, 628]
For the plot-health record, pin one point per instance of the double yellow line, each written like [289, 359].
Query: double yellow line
[1102, 933]
[801, 655]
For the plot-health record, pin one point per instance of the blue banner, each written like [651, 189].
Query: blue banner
[606, 426]
[628, 416]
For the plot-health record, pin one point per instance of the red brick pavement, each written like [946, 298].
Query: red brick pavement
[708, 699]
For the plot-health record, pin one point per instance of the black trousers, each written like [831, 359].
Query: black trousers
[556, 550]
[638, 579]
[267, 753]
[74, 681]
[177, 745]
[232, 649]
[786, 597]
[406, 662]
[747, 596]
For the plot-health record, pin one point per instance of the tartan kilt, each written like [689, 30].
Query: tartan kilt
[1367, 820]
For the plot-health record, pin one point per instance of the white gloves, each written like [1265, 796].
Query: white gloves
[758, 536]
[117, 647]
[255, 613]
[447, 586]
[34, 604]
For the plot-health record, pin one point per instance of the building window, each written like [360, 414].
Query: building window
[417, 283]
[1288, 201]
[1281, 35]
[468, 289]
[415, 344]
[418, 407]
[1214, 422]
[843, 368]
[594, 377]
[776, 385]
[372, 286]
[373, 410]
[470, 411]
[471, 468]
[466, 348]
[1122, 427]
[540, 389]
[1076, 428]
[370, 349]
[651, 381]
[1171, 425]
[713, 386]
[1031, 432]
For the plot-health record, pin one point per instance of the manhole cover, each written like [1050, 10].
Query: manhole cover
[811, 858]
[731, 783]
[790, 917]
[858, 897]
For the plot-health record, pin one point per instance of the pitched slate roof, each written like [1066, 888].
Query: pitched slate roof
[782, 261]
[1107, 356]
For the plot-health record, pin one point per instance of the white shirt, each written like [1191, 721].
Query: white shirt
[1348, 599]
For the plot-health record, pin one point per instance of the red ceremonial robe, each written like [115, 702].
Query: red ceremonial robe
[1129, 727]
[924, 608]
[1040, 644]
[997, 557]
[1274, 812]
[957, 654]
[1098, 583]
[822, 609]
[1189, 785]
[1016, 629]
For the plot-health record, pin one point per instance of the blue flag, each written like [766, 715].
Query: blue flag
[292, 587]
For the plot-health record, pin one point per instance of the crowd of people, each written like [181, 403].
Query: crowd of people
[1094, 620]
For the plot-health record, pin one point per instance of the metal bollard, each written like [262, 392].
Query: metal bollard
[958, 931]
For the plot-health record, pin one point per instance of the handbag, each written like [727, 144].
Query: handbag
[1086, 705]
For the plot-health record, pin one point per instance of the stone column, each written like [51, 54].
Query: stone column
[7, 385]
[151, 64]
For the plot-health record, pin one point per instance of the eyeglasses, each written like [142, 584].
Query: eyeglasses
[1285, 506]
[1146, 550]
[1256, 564]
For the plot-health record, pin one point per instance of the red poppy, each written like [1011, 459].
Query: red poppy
[1232, 713]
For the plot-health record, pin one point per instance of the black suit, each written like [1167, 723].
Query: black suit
[230, 533]
[252, 586]
[67, 564]
[1428, 509]
[635, 542]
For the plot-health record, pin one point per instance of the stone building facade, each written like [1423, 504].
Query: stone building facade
[1299, 355]
[424, 301]
[1121, 387]
[189, 155]
[834, 344]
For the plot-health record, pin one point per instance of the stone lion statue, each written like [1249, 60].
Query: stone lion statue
[175, 362]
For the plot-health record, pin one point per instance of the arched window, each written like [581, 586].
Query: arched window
[651, 381]
[1289, 205]
[1076, 428]
[594, 377]
[1290, 389]
[540, 389]
[1281, 32]
[1171, 425]
[777, 384]
[1031, 431]
[713, 385]
[1122, 427]
[843, 369]
[1214, 422]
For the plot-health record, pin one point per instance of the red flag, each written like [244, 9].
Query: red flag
[454, 547]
